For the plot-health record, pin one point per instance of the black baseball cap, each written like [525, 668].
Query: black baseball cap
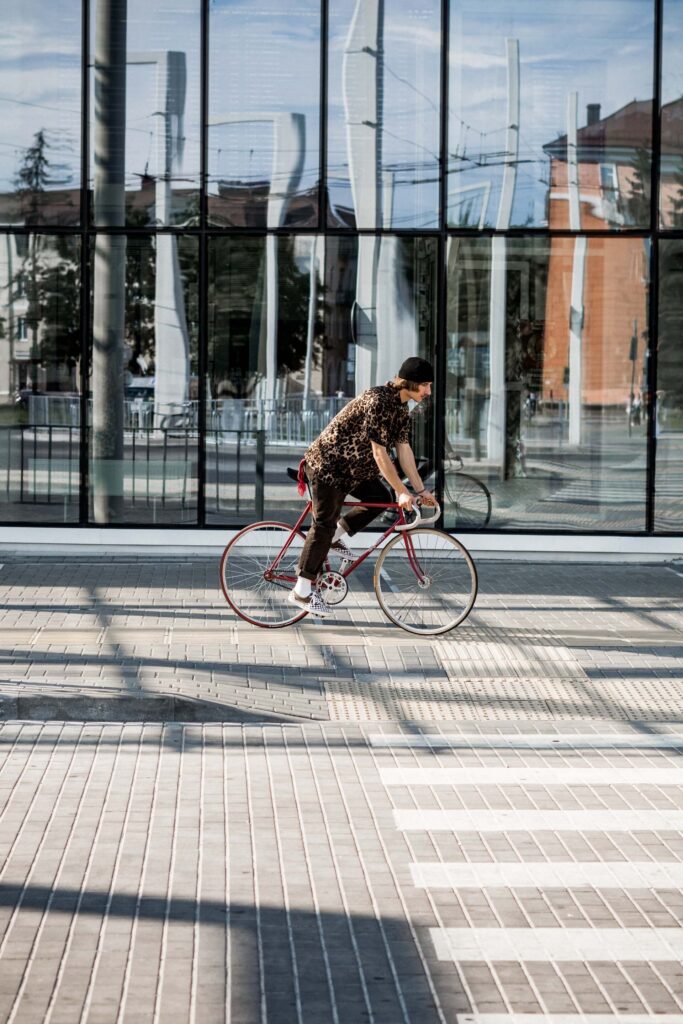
[417, 370]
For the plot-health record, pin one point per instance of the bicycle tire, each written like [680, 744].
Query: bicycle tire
[468, 501]
[432, 609]
[243, 567]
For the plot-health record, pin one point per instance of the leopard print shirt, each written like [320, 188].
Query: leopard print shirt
[342, 455]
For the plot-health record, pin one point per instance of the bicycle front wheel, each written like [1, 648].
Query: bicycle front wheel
[257, 578]
[425, 581]
[469, 500]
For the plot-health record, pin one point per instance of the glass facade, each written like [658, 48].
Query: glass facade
[221, 221]
[292, 338]
[550, 119]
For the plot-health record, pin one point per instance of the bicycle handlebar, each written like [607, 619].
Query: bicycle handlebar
[434, 510]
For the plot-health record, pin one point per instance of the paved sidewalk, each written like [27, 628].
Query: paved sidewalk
[119, 638]
[483, 828]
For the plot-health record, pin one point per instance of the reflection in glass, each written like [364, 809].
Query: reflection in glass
[39, 378]
[550, 125]
[40, 113]
[263, 150]
[547, 381]
[289, 345]
[159, 107]
[669, 396]
[383, 114]
[144, 468]
[671, 165]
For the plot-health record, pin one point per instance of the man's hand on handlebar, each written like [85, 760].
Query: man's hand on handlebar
[405, 500]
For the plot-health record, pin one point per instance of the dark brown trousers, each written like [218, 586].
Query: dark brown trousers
[327, 505]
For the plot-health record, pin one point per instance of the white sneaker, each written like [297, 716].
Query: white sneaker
[313, 604]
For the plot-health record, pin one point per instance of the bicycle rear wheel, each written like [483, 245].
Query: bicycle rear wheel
[255, 582]
[469, 500]
[425, 581]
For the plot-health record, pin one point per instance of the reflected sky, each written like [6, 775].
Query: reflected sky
[266, 59]
[600, 48]
[40, 87]
[263, 59]
[672, 64]
[155, 27]
[409, 114]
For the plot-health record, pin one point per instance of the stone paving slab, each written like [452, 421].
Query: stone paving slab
[256, 875]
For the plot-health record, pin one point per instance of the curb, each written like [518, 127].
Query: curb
[127, 708]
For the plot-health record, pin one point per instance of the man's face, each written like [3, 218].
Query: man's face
[423, 391]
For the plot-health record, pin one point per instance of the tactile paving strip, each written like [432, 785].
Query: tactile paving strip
[375, 698]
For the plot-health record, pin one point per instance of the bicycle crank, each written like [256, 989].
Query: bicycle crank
[333, 587]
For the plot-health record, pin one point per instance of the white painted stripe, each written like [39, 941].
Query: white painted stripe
[604, 820]
[518, 774]
[558, 944]
[568, 1018]
[529, 742]
[564, 875]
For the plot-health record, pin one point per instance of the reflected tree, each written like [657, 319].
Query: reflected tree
[523, 344]
[670, 324]
[294, 290]
[139, 322]
[676, 209]
[238, 316]
[48, 277]
[636, 206]
[36, 174]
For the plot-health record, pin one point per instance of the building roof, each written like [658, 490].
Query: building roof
[628, 128]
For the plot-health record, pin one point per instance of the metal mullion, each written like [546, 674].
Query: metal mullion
[443, 114]
[203, 283]
[83, 474]
[636, 232]
[653, 311]
[85, 115]
[204, 114]
[322, 155]
[441, 367]
[656, 116]
[202, 366]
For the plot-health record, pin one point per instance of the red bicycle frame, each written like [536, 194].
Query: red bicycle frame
[412, 558]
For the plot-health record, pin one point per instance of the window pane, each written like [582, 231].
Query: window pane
[143, 416]
[39, 378]
[383, 113]
[550, 114]
[263, 160]
[148, 140]
[294, 333]
[671, 172]
[40, 112]
[547, 383]
[669, 408]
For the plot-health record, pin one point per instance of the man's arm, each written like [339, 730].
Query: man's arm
[388, 471]
[407, 460]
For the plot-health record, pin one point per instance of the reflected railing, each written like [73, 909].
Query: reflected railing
[293, 420]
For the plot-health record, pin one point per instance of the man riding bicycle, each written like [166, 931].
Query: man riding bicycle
[350, 456]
